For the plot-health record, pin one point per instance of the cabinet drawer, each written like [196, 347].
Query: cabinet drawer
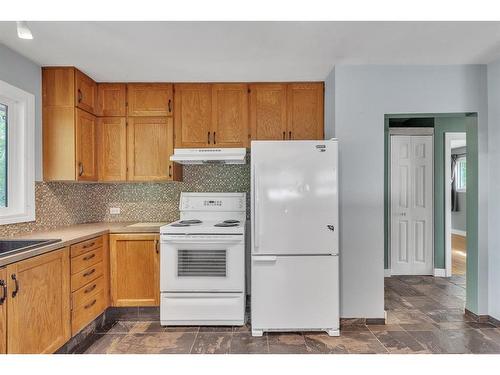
[88, 311]
[83, 247]
[85, 293]
[86, 260]
[85, 276]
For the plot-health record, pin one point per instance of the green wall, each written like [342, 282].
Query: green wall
[446, 123]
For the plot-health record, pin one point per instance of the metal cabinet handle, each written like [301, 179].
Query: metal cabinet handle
[16, 282]
[284, 135]
[157, 247]
[89, 272]
[208, 137]
[88, 245]
[170, 171]
[289, 135]
[214, 139]
[80, 96]
[89, 257]
[88, 290]
[90, 304]
[169, 105]
[80, 168]
[3, 284]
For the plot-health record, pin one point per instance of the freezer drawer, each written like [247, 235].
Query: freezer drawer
[295, 293]
[202, 309]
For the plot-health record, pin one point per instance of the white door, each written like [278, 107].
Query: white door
[412, 231]
[294, 196]
[295, 292]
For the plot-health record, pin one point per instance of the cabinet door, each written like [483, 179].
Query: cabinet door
[86, 150]
[112, 99]
[148, 148]
[134, 265]
[85, 92]
[230, 115]
[153, 99]
[3, 311]
[268, 111]
[58, 87]
[39, 313]
[112, 148]
[305, 111]
[193, 107]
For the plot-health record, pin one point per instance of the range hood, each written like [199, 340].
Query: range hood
[209, 155]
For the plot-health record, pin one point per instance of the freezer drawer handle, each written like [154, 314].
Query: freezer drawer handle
[331, 227]
[265, 259]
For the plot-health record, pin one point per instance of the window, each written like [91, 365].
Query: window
[17, 165]
[461, 173]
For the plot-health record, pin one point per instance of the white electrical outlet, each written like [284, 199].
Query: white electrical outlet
[114, 210]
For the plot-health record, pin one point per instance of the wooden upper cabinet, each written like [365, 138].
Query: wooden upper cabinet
[58, 87]
[305, 114]
[86, 150]
[148, 148]
[38, 316]
[268, 111]
[112, 99]
[112, 148]
[229, 115]
[85, 92]
[135, 269]
[193, 115]
[150, 99]
[3, 311]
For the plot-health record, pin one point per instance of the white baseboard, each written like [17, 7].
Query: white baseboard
[439, 272]
[387, 272]
[462, 233]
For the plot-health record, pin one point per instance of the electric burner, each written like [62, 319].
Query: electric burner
[190, 221]
[180, 225]
[225, 225]
[231, 221]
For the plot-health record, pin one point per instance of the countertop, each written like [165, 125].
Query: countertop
[70, 235]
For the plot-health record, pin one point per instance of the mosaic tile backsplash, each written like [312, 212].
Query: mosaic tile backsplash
[61, 203]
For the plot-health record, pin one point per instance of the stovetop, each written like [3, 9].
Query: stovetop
[190, 226]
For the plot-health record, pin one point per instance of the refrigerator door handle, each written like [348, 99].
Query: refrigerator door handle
[257, 207]
[265, 258]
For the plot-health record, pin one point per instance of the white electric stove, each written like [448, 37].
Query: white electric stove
[202, 274]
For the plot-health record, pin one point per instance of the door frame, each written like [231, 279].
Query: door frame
[448, 137]
[402, 131]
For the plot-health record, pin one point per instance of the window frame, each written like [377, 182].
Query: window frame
[20, 155]
[460, 189]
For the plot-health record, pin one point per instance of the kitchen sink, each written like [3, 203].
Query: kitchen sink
[8, 247]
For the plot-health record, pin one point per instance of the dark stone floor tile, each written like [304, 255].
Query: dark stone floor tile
[448, 315]
[216, 329]
[354, 328]
[147, 327]
[212, 343]
[242, 329]
[321, 343]
[192, 329]
[478, 325]
[106, 344]
[399, 342]
[286, 343]
[244, 343]
[419, 326]
[440, 342]
[155, 343]
[407, 317]
[385, 327]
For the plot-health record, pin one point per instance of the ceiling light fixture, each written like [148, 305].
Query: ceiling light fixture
[23, 30]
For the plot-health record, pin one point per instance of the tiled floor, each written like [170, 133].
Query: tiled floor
[425, 315]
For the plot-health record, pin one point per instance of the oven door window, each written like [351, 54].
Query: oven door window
[201, 263]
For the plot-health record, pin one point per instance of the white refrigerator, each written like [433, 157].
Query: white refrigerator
[295, 246]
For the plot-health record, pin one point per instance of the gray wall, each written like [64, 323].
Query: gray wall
[458, 218]
[330, 105]
[18, 71]
[494, 185]
[363, 94]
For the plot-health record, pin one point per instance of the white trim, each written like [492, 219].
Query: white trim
[21, 155]
[387, 272]
[448, 137]
[459, 232]
[440, 272]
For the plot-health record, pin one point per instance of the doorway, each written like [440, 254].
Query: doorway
[456, 204]
[411, 192]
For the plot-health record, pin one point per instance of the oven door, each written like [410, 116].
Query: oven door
[202, 263]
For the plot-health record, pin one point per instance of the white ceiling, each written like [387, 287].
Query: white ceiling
[248, 51]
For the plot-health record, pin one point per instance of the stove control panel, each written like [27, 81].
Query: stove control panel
[229, 202]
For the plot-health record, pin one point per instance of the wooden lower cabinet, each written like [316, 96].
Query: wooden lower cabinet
[3, 311]
[135, 269]
[38, 316]
[89, 281]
